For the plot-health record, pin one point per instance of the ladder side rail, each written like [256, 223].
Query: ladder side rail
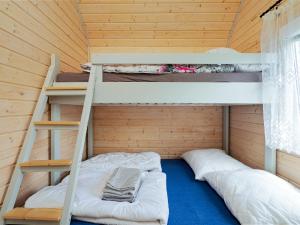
[55, 142]
[80, 143]
[90, 135]
[17, 177]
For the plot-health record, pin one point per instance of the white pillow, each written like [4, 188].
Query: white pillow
[204, 161]
[257, 197]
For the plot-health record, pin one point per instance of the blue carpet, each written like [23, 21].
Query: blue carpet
[191, 202]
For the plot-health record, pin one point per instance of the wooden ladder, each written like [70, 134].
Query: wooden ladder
[11, 215]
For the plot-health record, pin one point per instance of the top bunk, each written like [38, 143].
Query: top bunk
[216, 87]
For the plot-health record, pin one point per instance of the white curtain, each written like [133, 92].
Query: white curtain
[280, 47]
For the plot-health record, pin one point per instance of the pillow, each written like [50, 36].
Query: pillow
[257, 197]
[204, 161]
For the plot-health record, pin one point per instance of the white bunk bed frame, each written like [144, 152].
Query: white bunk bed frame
[177, 92]
[173, 92]
[168, 93]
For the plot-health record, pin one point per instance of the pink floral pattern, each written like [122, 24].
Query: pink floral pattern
[176, 68]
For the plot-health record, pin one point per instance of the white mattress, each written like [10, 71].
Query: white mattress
[147, 161]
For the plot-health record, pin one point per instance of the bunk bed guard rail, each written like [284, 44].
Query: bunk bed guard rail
[177, 92]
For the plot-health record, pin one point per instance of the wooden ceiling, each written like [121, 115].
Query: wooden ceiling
[246, 31]
[170, 25]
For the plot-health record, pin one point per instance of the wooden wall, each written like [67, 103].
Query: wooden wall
[246, 31]
[247, 135]
[157, 25]
[168, 130]
[247, 142]
[29, 32]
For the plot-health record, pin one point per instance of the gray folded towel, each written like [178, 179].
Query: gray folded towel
[118, 193]
[123, 185]
[124, 179]
[115, 199]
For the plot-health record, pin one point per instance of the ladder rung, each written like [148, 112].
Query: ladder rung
[57, 124]
[48, 165]
[63, 162]
[34, 214]
[66, 91]
[65, 88]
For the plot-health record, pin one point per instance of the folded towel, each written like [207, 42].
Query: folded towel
[123, 185]
[130, 200]
[118, 193]
[124, 179]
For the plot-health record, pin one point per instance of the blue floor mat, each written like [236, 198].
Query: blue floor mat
[191, 202]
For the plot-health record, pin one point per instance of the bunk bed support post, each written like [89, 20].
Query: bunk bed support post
[270, 160]
[55, 142]
[90, 144]
[226, 128]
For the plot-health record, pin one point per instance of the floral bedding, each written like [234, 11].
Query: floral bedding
[176, 68]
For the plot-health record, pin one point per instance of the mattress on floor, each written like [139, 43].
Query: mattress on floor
[166, 77]
[191, 202]
[149, 208]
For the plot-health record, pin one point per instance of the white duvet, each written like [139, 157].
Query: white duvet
[147, 161]
[150, 206]
[256, 197]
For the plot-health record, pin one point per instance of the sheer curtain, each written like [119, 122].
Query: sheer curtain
[280, 47]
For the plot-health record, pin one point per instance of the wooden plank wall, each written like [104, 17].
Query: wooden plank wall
[157, 25]
[168, 130]
[29, 32]
[247, 135]
[247, 142]
[246, 31]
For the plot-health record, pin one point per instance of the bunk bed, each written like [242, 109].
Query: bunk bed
[237, 88]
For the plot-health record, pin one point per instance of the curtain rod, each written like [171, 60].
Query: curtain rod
[271, 8]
